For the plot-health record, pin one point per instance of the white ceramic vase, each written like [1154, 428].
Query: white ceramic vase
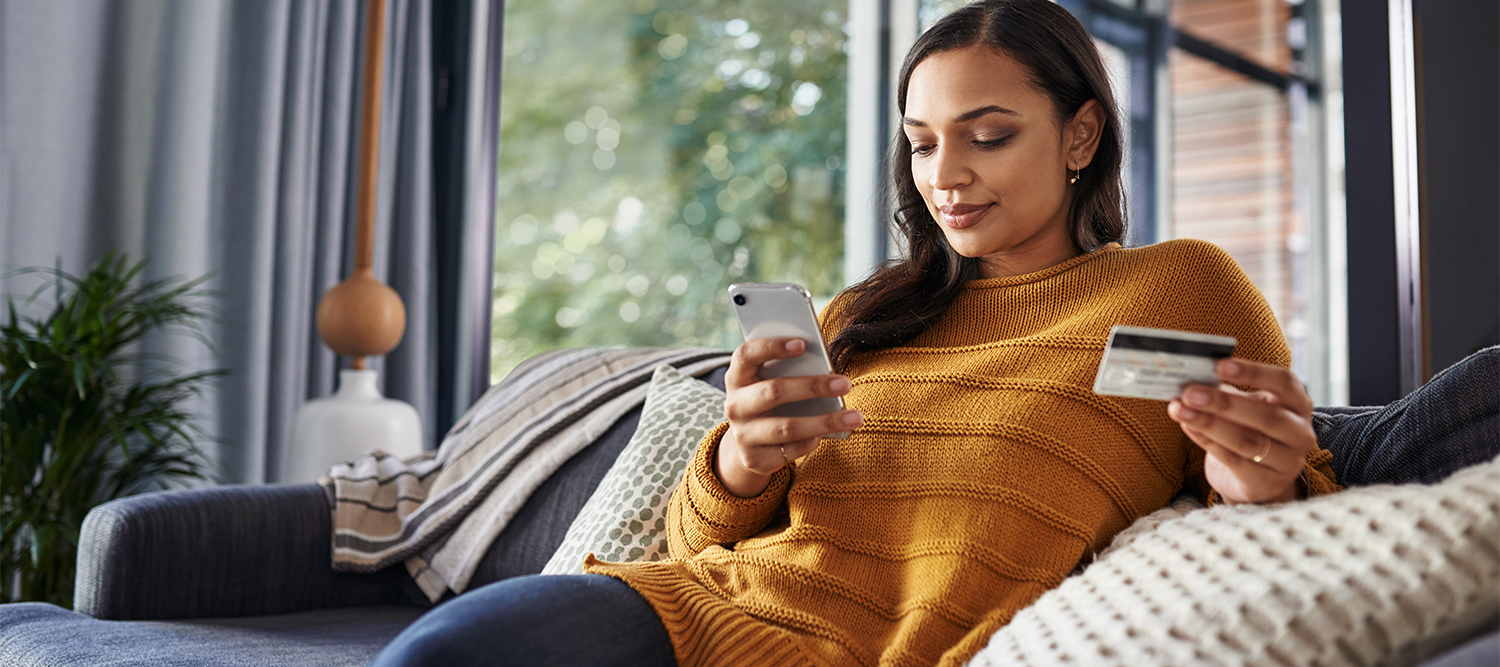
[342, 427]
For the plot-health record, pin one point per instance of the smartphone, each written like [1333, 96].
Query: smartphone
[776, 310]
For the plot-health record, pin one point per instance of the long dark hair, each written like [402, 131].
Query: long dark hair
[904, 297]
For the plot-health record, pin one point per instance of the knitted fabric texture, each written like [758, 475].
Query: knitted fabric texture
[626, 518]
[986, 470]
[1364, 577]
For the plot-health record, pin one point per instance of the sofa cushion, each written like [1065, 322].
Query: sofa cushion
[1481, 652]
[1373, 575]
[43, 635]
[534, 534]
[626, 517]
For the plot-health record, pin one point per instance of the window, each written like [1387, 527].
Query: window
[651, 153]
[1235, 170]
[1247, 166]
[654, 151]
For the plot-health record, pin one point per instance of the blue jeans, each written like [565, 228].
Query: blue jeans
[587, 619]
[1452, 422]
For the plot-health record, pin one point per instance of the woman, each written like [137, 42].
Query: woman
[981, 469]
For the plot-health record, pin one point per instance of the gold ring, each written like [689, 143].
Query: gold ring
[1257, 458]
[785, 460]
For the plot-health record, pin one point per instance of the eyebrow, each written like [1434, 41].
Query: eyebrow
[966, 116]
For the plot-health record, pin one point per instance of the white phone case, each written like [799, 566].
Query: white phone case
[774, 310]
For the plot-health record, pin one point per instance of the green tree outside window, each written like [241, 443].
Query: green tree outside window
[653, 152]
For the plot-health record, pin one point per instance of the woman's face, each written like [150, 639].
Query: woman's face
[992, 160]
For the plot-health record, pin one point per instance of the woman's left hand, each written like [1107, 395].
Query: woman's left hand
[1255, 442]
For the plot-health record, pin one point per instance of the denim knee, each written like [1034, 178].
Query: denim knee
[549, 621]
[1450, 423]
[431, 640]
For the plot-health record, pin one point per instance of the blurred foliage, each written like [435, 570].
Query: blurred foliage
[85, 416]
[654, 151]
[929, 11]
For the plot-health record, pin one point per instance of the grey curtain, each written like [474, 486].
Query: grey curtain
[220, 136]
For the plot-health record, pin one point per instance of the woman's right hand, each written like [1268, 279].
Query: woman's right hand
[758, 443]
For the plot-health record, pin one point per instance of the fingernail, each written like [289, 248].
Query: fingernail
[1186, 413]
[794, 345]
[1195, 396]
[839, 385]
[1230, 367]
[853, 418]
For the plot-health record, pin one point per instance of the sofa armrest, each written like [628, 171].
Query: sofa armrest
[216, 552]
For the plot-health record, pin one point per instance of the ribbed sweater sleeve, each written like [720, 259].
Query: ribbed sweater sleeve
[1319, 470]
[703, 513]
[1244, 313]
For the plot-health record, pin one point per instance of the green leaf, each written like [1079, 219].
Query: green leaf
[16, 384]
[41, 542]
[72, 433]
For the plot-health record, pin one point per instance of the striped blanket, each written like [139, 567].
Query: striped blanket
[439, 512]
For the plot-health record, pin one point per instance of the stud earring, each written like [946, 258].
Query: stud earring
[1074, 179]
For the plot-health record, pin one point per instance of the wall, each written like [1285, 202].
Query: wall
[1458, 85]
[1458, 77]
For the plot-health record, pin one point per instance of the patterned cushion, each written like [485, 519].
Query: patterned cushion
[1384, 575]
[626, 518]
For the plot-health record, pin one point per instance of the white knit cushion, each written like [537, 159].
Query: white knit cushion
[1378, 575]
[626, 518]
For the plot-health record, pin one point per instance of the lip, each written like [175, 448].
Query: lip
[961, 216]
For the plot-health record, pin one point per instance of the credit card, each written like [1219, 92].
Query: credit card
[1157, 363]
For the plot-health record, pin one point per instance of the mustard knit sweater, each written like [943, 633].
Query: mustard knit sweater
[986, 471]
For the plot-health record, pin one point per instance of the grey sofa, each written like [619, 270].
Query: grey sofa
[240, 575]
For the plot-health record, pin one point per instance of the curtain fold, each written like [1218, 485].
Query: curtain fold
[220, 136]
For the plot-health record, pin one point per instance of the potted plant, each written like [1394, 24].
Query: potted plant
[85, 415]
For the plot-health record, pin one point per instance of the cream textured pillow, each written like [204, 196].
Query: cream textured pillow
[1376, 575]
[626, 518]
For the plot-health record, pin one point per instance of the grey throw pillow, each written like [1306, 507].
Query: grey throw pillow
[626, 518]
